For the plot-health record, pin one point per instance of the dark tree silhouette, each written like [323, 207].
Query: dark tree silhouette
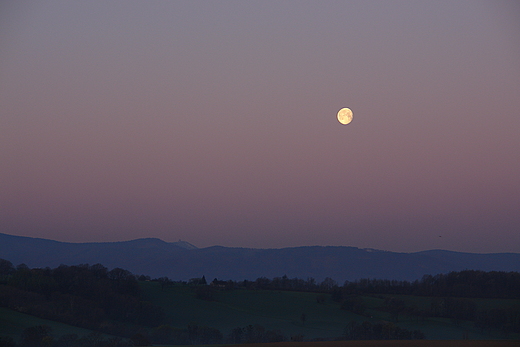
[34, 336]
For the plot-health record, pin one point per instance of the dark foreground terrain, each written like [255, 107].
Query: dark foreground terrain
[423, 343]
[86, 305]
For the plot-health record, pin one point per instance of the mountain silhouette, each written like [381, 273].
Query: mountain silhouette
[182, 260]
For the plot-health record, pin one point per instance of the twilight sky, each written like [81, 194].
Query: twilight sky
[214, 122]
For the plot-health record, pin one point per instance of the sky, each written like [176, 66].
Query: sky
[215, 122]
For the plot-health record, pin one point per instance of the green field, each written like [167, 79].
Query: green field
[282, 310]
[12, 323]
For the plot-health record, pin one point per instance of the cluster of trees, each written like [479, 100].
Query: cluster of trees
[254, 334]
[455, 308]
[506, 320]
[111, 301]
[86, 296]
[379, 331]
[463, 284]
[41, 336]
[286, 283]
[194, 334]
[93, 297]
[451, 295]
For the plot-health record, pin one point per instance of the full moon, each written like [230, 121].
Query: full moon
[345, 116]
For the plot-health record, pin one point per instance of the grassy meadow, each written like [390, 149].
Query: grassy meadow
[282, 310]
[12, 323]
[313, 316]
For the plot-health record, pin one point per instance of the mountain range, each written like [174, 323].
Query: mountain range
[182, 260]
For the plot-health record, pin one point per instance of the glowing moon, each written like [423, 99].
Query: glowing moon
[345, 116]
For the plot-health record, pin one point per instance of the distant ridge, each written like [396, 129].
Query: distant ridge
[181, 260]
[184, 244]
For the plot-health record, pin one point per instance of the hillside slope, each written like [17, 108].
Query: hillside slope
[181, 261]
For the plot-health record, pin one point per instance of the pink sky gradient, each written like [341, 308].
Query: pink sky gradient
[214, 122]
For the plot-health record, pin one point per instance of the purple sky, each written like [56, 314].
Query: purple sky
[215, 122]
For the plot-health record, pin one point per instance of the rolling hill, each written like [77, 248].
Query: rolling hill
[181, 260]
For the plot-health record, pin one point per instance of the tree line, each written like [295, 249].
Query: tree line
[463, 284]
[88, 296]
